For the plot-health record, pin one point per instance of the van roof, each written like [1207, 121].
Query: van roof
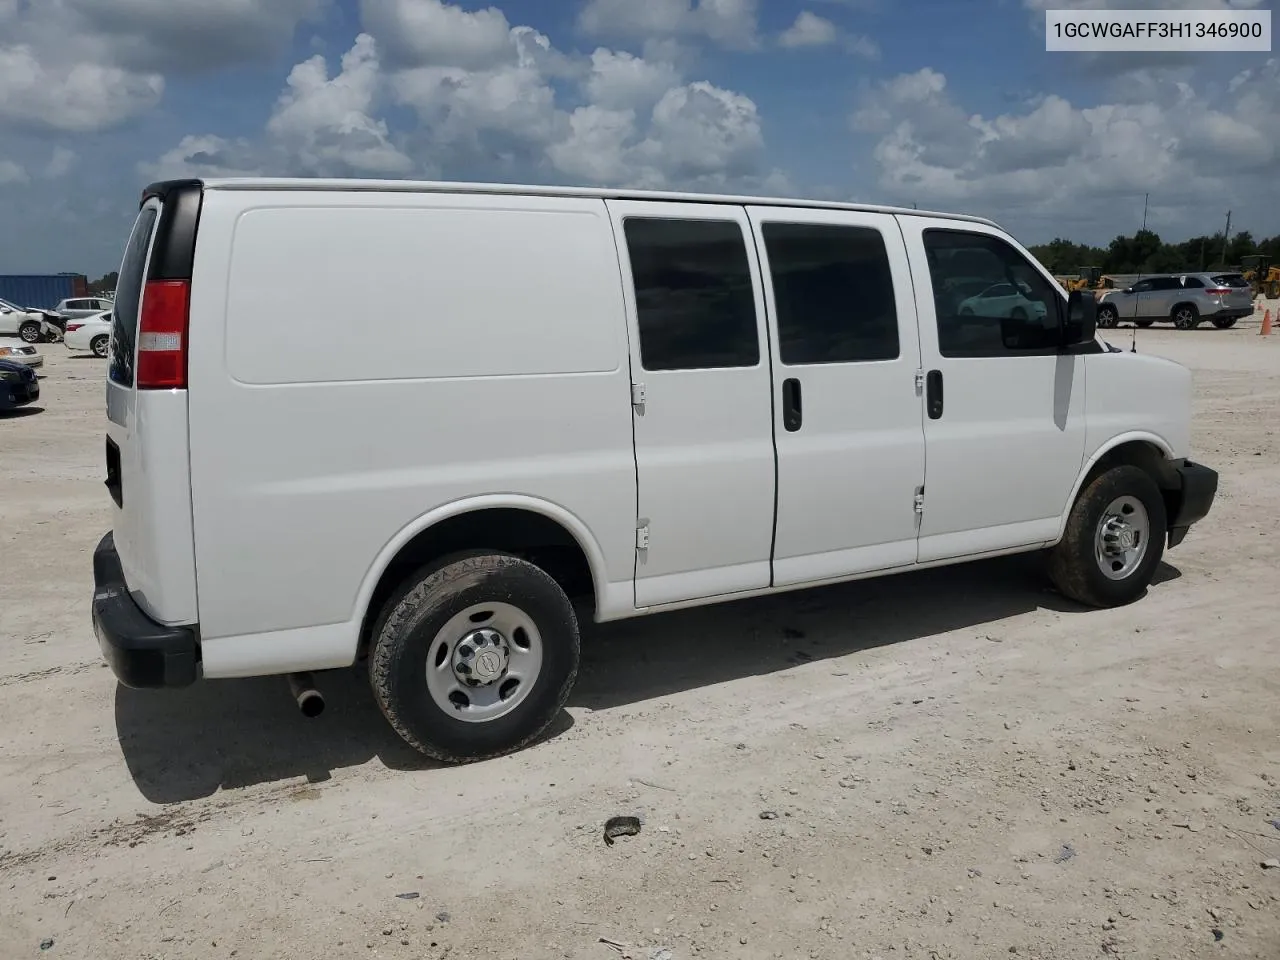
[603, 193]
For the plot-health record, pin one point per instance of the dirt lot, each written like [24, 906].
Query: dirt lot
[956, 764]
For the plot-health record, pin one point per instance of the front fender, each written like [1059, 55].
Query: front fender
[1160, 443]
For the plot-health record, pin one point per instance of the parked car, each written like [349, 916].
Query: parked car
[1004, 300]
[75, 308]
[22, 353]
[18, 384]
[1184, 299]
[90, 335]
[644, 401]
[21, 322]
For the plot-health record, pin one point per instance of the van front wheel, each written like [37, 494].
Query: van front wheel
[1114, 539]
[475, 657]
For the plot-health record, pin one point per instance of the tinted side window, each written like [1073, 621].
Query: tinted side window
[990, 301]
[1143, 286]
[834, 293]
[124, 320]
[694, 299]
[1192, 283]
[1165, 283]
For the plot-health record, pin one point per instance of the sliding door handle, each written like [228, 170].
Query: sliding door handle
[933, 394]
[792, 412]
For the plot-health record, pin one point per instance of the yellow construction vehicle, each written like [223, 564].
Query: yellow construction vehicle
[1262, 276]
[1086, 278]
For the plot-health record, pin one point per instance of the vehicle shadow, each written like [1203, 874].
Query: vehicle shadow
[181, 745]
[650, 657]
[19, 412]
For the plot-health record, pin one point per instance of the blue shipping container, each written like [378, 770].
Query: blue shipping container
[41, 291]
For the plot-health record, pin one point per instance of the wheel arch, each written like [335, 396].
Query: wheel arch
[1183, 303]
[1143, 449]
[499, 522]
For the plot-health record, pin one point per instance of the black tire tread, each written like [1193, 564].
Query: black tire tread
[1071, 563]
[424, 590]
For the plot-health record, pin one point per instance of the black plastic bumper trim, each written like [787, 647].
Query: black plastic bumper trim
[1198, 485]
[140, 652]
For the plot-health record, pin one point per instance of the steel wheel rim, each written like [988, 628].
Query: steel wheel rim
[1122, 537]
[484, 662]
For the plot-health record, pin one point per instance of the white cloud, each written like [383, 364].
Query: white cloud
[809, 30]
[620, 80]
[182, 35]
[11, 172]
[60, 163]
[326, 123]
[206, 156]
[488, 101]
[78, 97]
[86, 65]
[431, 32]
[730, 23]
[1052, 160]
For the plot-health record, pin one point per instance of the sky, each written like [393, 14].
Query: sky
[946, 104]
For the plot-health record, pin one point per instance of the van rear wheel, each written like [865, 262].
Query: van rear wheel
[475, 657]
[1114, 539]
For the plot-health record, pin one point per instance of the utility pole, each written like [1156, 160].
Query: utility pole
[1146, 200]
[1226, 238]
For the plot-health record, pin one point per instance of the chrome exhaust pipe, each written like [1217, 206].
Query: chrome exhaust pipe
[310, 700]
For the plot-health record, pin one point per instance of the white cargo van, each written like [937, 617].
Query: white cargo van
[512, 403]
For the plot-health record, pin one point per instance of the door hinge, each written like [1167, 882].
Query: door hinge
[637, 394]
[919, 502]
[642, 536]
[919, 381]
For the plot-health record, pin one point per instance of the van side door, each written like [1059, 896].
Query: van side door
[848, 418]
[1005, 407]
[701, 400]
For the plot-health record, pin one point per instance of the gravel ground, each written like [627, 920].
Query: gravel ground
[842, 773]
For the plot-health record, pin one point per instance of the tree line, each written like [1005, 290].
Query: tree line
[1145, 252]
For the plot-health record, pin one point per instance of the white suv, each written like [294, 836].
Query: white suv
[635, 401]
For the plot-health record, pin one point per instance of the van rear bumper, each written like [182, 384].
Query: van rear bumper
[140, 652]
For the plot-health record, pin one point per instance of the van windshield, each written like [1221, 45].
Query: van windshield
[124, 321]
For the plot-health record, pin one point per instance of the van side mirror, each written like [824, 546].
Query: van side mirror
[1082, 318]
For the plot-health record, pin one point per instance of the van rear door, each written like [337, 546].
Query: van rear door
[148, 472]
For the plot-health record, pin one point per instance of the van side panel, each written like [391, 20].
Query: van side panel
[362, 359]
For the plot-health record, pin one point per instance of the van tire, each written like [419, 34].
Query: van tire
[418, 624]
[1074, 564]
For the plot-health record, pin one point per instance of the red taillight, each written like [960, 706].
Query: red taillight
[162, 335]
[1217, 291]
[73, 327]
